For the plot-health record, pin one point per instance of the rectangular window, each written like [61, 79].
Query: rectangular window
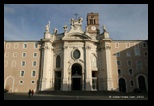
[116, 45]
[22, 73]
[23, 54]
[127, 45]
[130, 71]
[34, 54]
[16, 45]
[118, 63]
[146, 53]
[131, 83]
[129, 63]
[33, 73]
[144, 45]
[23, 63]
[137, 51]
[34, 63]
[119, 72]
[15, 54]
[128, 53]
[24, 45]
[8, 46]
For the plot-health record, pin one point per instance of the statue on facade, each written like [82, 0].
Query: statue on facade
[106, 34]
[104, 28]
[80, 20]
[65, 28]
[47, 27]
[72, 21]
[55, 30]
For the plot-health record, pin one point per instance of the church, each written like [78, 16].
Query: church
[76, 60]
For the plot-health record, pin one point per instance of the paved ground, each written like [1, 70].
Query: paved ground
[24, 96]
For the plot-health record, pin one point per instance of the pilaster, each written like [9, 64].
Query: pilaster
[46, 67]
[107, 49]
[65, 70]
[88, 68]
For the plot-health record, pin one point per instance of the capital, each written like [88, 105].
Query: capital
[65, 47]
[107, 47]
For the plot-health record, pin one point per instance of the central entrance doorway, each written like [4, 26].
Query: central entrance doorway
[76, 77]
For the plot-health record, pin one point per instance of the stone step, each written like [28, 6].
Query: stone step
[84, 93]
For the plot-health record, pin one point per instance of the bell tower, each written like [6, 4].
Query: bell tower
[93, 23]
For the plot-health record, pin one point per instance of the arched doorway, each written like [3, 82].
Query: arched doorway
[9, 84]
[76, 77]
[122, 85]
[141, 82]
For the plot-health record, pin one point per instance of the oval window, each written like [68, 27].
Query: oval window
[76, 54]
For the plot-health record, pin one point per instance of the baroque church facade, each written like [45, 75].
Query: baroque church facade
[76, 60]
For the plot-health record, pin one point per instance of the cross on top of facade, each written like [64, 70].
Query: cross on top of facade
[76, 14]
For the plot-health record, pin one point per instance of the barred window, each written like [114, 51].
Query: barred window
[22, 73]
[23, 63]
[34, 63]
[33, 73]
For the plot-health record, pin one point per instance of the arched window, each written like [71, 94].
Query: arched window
[91, 21]
[58, 61]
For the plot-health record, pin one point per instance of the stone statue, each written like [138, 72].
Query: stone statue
[72, 21]
[80, 20]
[104, 28]
[65, 28]
[55, 30]
[47, 27]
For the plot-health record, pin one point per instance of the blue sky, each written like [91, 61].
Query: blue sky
[27, 21]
